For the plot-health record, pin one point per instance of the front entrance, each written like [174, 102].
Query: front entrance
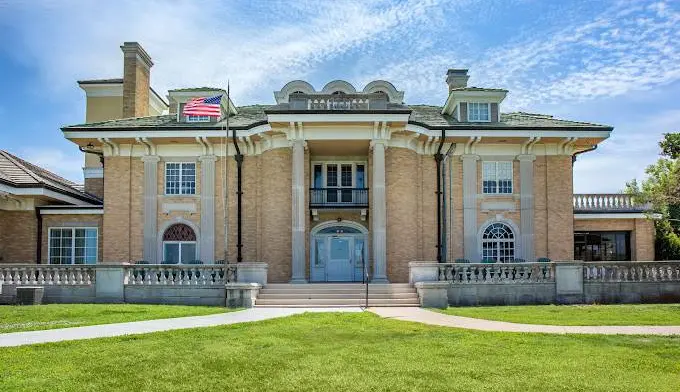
[338, 254]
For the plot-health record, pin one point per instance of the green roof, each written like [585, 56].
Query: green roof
[427, 116]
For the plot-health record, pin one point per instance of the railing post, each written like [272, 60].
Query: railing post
[569, 282]
[110, 283]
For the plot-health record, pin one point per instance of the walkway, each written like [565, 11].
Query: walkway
[434, 318]
[139, 327]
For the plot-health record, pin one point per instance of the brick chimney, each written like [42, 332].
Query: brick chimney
[136, 80]
[457, 78]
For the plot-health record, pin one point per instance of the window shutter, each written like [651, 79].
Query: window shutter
[463, 112]
[494, 113]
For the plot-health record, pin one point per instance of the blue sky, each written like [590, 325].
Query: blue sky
[611, 62]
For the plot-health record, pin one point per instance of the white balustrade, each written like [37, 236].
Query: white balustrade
[606, 202]
[180, 275]
[631, 271]
[508, 273]
[50, 274]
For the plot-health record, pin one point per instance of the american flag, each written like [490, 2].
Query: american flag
[203, 107]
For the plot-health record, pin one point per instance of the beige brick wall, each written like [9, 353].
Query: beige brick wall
[402, 196]
[276, 213]
[116, 226]
[560, 213]
[95, 186]
[643, 243]
[18, 231]
[56, 221]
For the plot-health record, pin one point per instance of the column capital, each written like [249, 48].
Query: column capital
[207, 158]
[474, 157]
[151, 158]
[526, 157]
[375, 142]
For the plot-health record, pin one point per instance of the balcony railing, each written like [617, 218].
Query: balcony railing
[607, 202]
[338, 101]
[338, 197]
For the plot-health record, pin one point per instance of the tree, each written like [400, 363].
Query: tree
[661, 189]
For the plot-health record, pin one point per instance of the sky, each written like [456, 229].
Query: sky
[608, 62]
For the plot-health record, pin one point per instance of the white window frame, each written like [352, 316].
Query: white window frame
[180, 243]
[497, 189]
[339, 164]
[478, 111]
[73, 243]
[197, 118]
[498, 242]
[181, 188]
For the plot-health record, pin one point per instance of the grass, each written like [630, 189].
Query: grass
[666, 314]
[345, 352]
[31, 318]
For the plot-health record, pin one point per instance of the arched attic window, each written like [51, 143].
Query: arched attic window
[338, 92]
[179, 244]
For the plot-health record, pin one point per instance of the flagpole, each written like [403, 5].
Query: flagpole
[225, 177]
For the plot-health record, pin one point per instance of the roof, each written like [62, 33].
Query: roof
[431, 117]
[19, 173]
[427, 116]
[472, 88]
[101, 81]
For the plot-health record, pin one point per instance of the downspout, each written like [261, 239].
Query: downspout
[573, 157]
[38, 245]
[438, 158]
[239, 191]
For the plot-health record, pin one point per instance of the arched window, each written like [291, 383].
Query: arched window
[179, 244]
[498, 243]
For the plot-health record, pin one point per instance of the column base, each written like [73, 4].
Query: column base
[380, 280]
[298, 281]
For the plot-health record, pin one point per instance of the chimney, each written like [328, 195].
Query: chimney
[136, 80]
[457, 78]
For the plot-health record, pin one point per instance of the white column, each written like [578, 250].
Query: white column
[526, 205]
[379, 213]
[470, 207]
[207, 240]
[298, 203]
[150, 207]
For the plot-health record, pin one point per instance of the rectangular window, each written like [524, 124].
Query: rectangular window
[198, 118]
[72, 245]
[497, 177]
[479, 112]
[602, 246]
[180, 178]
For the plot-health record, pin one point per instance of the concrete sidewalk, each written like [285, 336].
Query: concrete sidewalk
[419, 315]
[140, 327]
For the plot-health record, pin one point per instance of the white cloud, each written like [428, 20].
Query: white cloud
[633, 147]
[55, 160]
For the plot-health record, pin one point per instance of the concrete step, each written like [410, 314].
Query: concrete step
[337, 302]
[336, 291]
[331, 295]
[289, 286]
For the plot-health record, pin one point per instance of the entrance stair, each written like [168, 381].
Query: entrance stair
[336, 295]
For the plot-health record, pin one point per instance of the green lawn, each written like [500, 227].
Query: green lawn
[31, 318]
[666, 314]
[345, 352]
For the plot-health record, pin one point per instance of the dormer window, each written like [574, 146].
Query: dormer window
[198, 118]
[479, 112]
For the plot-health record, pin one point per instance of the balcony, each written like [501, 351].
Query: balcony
[338, 102]
[338, 198]
[607, 203]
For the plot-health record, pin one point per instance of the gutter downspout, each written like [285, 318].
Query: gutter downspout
[573, 157]
[239, 191]
[38, 248]
[438, 158]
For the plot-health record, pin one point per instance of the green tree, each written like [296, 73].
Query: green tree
[661, 189]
